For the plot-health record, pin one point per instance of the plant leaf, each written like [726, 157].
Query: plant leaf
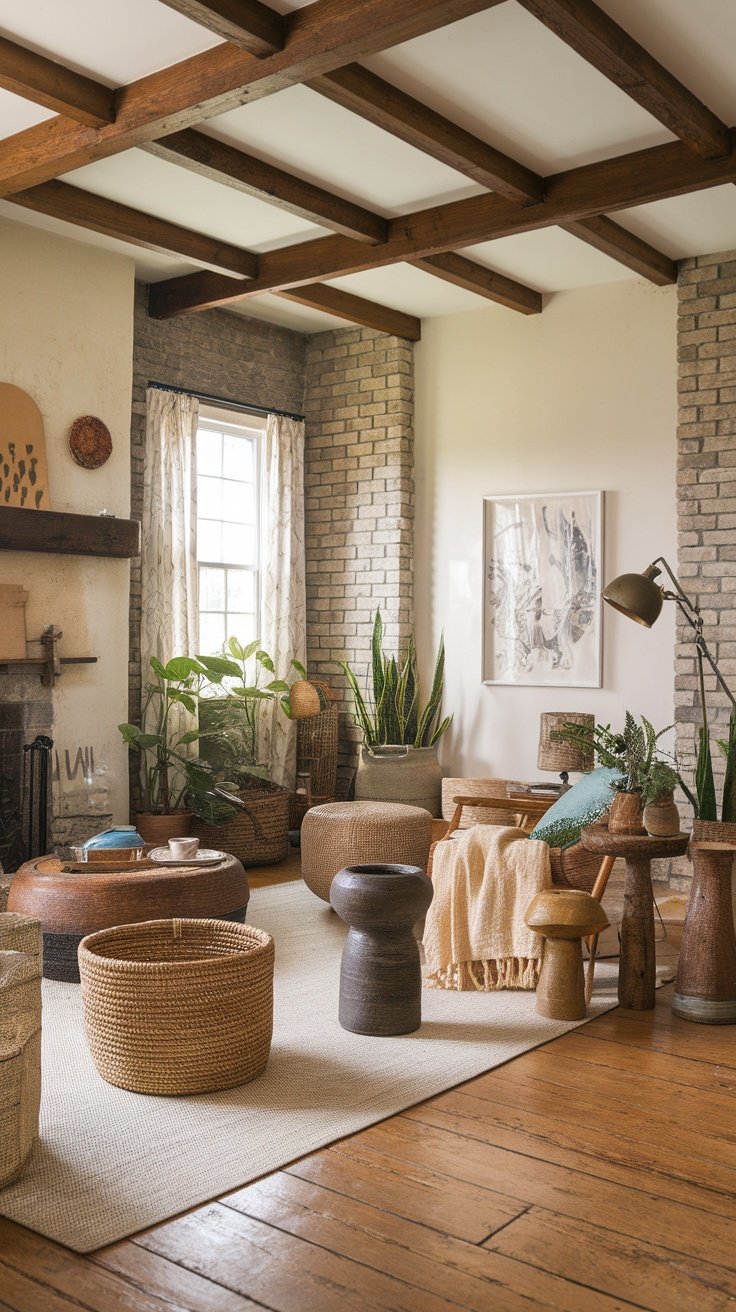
[157, 667]
[704, 784]
[728, 806]
[378, 659]
[299, 667]
[264, 659]
[181, 668]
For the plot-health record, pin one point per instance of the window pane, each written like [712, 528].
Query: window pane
[241, 590]
[211, 633]
[209, 452]
[238, 545]
[237, 457]
[238, 502]
[211, 589]
[242, 626]
[209, 539]
[209, 498]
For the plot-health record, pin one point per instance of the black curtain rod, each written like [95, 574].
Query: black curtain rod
[223, 401]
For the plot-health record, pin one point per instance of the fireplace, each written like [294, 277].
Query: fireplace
[26, 710]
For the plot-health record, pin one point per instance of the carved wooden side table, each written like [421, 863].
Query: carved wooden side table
[380, 974]
[636, 975]
[705, 985]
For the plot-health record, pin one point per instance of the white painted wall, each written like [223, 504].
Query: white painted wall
[580, 397]
[66, 338]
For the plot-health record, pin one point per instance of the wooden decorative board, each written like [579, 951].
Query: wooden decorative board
[24, 478]
[90, 442]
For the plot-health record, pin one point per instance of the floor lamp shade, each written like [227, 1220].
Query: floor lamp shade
[563, 756]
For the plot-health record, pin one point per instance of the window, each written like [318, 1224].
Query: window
[227, 527]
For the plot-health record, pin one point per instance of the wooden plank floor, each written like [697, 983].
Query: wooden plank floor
[598, 1172]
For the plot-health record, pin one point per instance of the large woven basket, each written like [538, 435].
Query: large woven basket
[258, 836]
[178, 1006]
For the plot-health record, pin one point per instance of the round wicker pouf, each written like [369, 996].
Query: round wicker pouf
[341, 834]
[178, 1006]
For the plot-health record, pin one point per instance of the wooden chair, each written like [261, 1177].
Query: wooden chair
[571, 867]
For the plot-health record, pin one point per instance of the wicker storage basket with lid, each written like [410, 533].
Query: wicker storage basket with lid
[178, 1006]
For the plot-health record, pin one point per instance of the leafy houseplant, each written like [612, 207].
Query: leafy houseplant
[392, 716]
[644, 776]
[169, 773]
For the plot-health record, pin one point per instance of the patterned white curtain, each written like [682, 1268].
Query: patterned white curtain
[169, 624]
[283, 599]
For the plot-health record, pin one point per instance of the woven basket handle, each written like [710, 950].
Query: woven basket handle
[176, 925]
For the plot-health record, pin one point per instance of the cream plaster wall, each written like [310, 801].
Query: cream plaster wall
[582, 396]
[66, 337]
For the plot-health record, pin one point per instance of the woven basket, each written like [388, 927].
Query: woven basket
[178, 1006]
[714, 831]
[316, 755]
[482, 815]
[258, 836]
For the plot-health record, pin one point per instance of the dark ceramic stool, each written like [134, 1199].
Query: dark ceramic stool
[380, 975]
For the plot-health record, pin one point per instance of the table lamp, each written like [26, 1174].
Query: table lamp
[555, 754]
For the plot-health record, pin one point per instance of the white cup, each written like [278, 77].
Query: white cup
[181, 848]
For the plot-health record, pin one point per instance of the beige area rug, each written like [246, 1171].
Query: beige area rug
[109, 1163]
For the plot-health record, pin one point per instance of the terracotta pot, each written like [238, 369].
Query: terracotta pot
[158, 829]
[625, 815]
[661, 817]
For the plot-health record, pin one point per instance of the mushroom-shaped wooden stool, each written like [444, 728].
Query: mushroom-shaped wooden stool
[563, 916]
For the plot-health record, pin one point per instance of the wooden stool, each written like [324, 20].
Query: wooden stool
[636, 975]
[705, 984]
[564, 916]
[380, 974]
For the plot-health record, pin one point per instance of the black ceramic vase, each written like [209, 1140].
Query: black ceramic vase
[380, 975]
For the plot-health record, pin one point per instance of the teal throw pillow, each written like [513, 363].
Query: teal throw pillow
[581, 805]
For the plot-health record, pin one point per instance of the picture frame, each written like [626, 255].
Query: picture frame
[542, 579]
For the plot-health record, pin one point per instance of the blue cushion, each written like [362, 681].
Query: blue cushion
[581, 805]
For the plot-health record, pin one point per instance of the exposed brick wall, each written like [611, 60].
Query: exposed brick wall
[706, 491]
[225, 355]
[359, 484]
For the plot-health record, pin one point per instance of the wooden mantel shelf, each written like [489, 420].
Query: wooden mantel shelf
[66, 534]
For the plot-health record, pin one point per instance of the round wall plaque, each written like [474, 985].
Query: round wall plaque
[90, 442]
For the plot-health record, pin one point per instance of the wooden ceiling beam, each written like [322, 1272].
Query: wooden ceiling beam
[623, 246]
[225, 164]
[248, 24]
[320, 296]
[605, 45]
[365, 94]
[85, 210]
[627, 180]
[474, 277]
[42, 80]
[320, 37]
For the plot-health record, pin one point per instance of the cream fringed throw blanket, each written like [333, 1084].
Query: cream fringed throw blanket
[475, 936]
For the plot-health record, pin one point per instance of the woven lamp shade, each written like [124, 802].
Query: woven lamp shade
[555, 755]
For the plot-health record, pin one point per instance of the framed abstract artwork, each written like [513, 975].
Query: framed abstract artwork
[542, 563]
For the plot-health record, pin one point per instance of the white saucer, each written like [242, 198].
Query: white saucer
[206, 856]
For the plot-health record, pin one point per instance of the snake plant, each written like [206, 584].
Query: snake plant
[392, 713]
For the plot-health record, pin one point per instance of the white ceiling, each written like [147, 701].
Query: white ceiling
[500, 74]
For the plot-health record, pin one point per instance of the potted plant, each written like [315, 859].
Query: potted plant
[644, 776]
[398, 758]
[660, 815]
[169, 773]
[253, 825]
